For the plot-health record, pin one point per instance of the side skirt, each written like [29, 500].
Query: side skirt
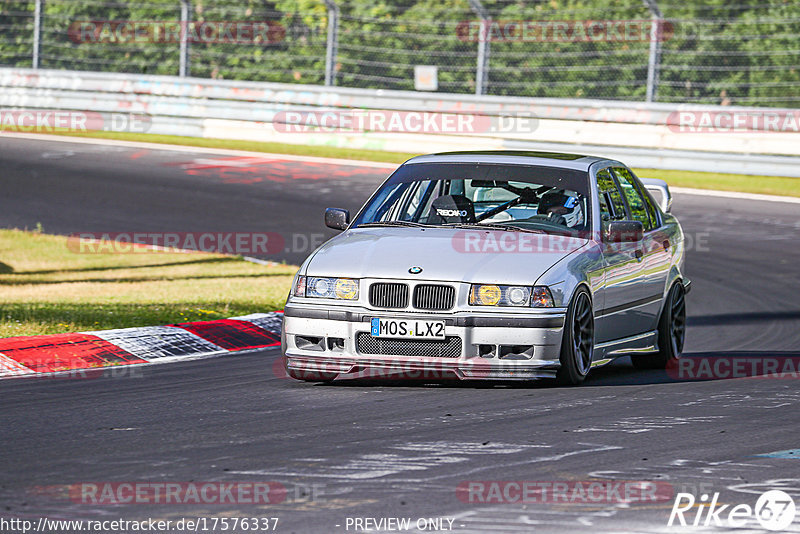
[639, 344]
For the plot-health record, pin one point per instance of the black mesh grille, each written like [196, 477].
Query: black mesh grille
[434, 297]
[449, 348]
[383, 295]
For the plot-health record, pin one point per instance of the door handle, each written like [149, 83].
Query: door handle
[666, 244]
[639, 253]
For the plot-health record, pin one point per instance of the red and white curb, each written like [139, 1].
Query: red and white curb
[58, 353]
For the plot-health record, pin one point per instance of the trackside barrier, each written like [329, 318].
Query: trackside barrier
[662, 136]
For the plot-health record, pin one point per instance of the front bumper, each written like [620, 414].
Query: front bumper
[488, 346]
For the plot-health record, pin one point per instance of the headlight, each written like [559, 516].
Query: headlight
[516, 296]
[326, 288]
[495, 295]
[346, 288]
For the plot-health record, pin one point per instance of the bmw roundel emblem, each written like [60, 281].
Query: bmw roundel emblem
[415, 270]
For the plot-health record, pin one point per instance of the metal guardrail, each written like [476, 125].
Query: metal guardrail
[618, 111]
[637, 133]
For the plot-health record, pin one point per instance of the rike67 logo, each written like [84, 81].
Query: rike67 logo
[774, 510]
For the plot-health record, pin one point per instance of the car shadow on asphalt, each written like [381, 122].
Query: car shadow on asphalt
[703, 367]
[692, 367]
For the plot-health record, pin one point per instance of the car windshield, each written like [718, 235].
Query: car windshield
[513, 197]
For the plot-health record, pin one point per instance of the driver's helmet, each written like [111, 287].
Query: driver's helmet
[561, 203]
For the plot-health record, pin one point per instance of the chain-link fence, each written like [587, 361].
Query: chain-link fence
[713, 52]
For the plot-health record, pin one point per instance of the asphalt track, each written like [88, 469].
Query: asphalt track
[393, 449]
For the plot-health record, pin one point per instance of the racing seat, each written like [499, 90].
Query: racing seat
[451, 209]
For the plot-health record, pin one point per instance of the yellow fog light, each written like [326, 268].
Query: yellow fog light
[485, 295]
[346, 288]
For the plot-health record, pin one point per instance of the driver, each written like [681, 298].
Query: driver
[561, 207]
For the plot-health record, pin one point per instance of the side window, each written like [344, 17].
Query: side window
[649, 203]
[612, 207]
[651, 208]
[636, 202]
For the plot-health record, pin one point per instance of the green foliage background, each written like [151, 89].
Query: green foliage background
[720, 52]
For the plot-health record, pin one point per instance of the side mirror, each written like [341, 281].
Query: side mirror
[337, 218]
[625, 232]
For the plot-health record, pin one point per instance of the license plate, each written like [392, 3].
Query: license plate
[407, 328]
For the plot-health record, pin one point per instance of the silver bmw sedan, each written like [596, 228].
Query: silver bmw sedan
[495, 265]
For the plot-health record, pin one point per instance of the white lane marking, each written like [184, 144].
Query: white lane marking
[735, 194]
[590, 448]
[636, 425]
[200, 150]
[477, 417]
[512, 519]
[57, 155]
[789, 485]
[695, 476]
[468, 448]
[365, 467]
[416, 456]
[733, 400]
[422, 456]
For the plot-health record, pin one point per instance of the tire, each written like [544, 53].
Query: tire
[577, 344]
[671, 332]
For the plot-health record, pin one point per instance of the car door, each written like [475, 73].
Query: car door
[655, 262]
[623, 267]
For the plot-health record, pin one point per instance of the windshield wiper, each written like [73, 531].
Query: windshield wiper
[493, 226]
[394, 223]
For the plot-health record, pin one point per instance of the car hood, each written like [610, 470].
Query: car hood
[444, 254]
